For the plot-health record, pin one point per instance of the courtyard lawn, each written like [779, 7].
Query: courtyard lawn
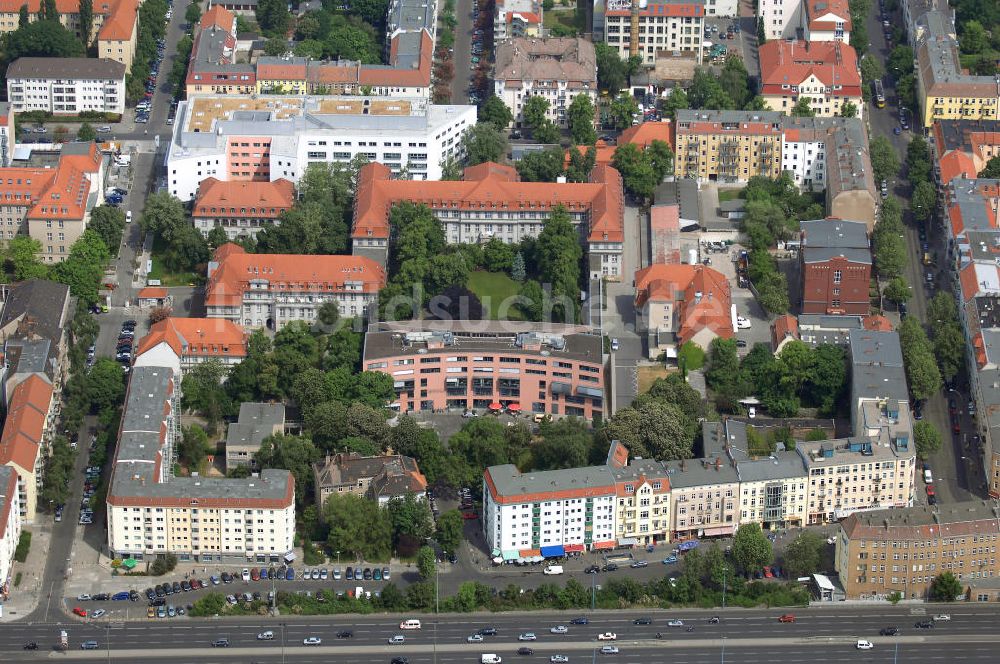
[649, 374]
[493, 288]
[729, 194]
[167, 278]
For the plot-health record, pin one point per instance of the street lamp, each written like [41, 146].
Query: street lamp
[338, 558]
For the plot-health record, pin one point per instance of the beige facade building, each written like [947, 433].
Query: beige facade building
[902, 551]
[728, 146]
[642, 508]
[705, 492]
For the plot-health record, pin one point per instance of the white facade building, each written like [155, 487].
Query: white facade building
[781, 18]
[66, 86]
[10, 520]
[268, 138]
[665, 26]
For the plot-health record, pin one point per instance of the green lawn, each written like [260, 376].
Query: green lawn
[729, 194]
[564, 18]
[496, 286]
[166, 277]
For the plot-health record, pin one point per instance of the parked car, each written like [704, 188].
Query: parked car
[787, 618]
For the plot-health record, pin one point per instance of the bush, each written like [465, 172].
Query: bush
[164, 565]
[23, 546]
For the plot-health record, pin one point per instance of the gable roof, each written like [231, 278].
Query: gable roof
[212, 337]
[243, 199]
[41, 301]
[25, 424]
[701, 294]
[792, 62]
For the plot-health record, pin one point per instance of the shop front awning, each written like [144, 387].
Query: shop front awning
[627, 541]
[510, 554]
[529, 553]
[574, 548]
[606, 544]
[553, 551]
[721, 531]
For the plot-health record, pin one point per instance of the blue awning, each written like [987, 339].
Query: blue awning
[553, 551]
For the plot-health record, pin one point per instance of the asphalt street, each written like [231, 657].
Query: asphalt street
[462, 55]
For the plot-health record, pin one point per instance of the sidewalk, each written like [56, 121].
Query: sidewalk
[23, 597]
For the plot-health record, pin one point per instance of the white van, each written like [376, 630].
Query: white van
[553, 569]
[128, 216]
[928, 478]
[490, 659]
[123, 160]
[410, 624]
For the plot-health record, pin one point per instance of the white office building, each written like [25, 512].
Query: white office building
[66, 86]
[269, 137]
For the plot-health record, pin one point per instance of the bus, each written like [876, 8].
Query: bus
[878, 94]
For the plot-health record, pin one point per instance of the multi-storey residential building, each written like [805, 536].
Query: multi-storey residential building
[836, 265]
[263, 139]
[26, 436]
[258, 290]
[781, 18]
[678, 303]
[832, 154]
[7, 137]
[66, 86]
[555, 512]
[826, 21]
[490, 365]
[10, 524]
[152, 513]
[963, 147]
[556, 69]
[216, 68]
[492, 202]
[192, 341]
[901, 551]
[239, 207]
[944, 90]
[516, 18]
[705, 494]
[728, 146]
[379, 478]
[915, 9]
[256, 422]
[665, 26]
[824, 72]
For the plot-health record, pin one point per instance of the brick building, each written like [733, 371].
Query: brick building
[836, 267]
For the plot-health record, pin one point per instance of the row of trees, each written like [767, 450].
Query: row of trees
[152, 28]
[801, 375]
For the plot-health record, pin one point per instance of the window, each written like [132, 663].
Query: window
[837, 276]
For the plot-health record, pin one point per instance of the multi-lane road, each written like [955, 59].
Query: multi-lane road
[825, 634]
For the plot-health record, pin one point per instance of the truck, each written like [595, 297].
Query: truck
[63, 641]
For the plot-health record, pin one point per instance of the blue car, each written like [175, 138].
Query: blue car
[118, 597]
[290, 574]
[670, 560]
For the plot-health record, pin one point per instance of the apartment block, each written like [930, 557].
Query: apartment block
[151, 512]
[490, 365]
[826, 21]
[728, 146]
[379, 478]
[7, 137]
[516, 18]
[665, 27]
[192, 341]
[10, 524]
[705, 493]
[491, 202]
[271, 290]
[557, 69]
[836, 264]
[27, 432]
[267, 138]
[67, 86]
[901, 551]
[963, 147]
[239, 207]
[944, 90]
[825, 72]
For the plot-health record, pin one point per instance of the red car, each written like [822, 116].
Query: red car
[787, 618]
[956, 427]
[930, 489]
[768, 573]
[469, 515]
[80, 612]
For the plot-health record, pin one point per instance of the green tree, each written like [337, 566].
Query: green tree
[945, 588]
[192, 14]
[518, 269]
[922, 372]
[534, 111]
[751, 549]
[410, 517]
[483, 142]
[848, 110]
[546, 133]
[897, 290]
[295, 454]
[82, 270]
[871, 69]
[86, 133]
[923, 200]
[495, 111]
[272, 17]
[209, 605]
[803, 555]
[949, 349]
[164, 215]
[541, 165]
[23, 17]
[733, 79]
[803, 109]
[565, 444]
[678, 100]
[580, 119]
[612, 71]
[655, 429]
[623, 110]
[918, 161]
[974, 38]
[22, 259]
[559, 258]
[44, 39]
[449, 530]
[900, 61]
[358, 526]
[706, 92]
[885, 162]
[638, 174]
[992, 169]
[426, 562]
[194, 447]
[581, 164]
[926, 438]
[723, 364]
[109, 223]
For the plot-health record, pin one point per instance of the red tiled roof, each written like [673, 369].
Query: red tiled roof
[239, 199]
[792, 62]
[644, 133]
[956, 164]
[819, 9]
[284, 72]
[25, 424]
[152, 293]
[783, 327]
[701, 293]
[121, 22]
[876, 323]
[527, 17]
[289, 273]
[212, 337]
[493, 186]
[393, 75]
[325, 73]
[219, 17]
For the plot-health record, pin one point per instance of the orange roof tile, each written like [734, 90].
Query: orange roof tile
[392, 75]
[121, 22]
[289, 273]
[213, 337]
[783, 327]
[19, 186]
[218, 16]
[281, 72]
[25, 424]
[239, 199]
[876, 323]
[970, 281]
[644, 133]
[817, 9]
[494, 186]
[789, 63]
[325, 73]
[957, 164]
[701, 293]
[152, 293]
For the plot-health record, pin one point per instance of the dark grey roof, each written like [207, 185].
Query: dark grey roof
[509, 481]
[42, 305]
[63, 68]
[823, 239]
[877, 366]
[256, 422]
[25, 356]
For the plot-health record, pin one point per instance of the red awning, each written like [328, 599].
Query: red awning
[496, 405]
[609, 544]
[514, 407]
[530, 553]
[574, 548]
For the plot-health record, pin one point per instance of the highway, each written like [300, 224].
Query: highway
[753, 632]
